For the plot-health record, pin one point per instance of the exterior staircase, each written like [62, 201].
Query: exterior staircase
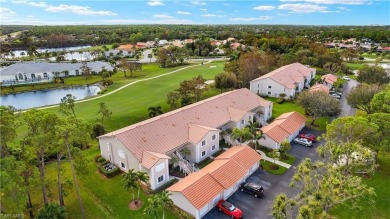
[184, 164]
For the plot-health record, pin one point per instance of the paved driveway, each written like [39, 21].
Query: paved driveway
[347, 110]
[259, 208]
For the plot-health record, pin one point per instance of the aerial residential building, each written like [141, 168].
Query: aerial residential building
[199, 192]
[289, 80]
[319, 87]
[286, 127]
[148, 145]
[329, 80]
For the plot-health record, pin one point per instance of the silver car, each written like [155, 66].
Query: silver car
[303, 141]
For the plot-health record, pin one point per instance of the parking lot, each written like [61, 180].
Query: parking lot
[259, 208]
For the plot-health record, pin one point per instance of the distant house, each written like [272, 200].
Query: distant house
[188, 41]
[151, 44]
[178, 43]
[235, 46]
[288, 80]
[162, 42]
[230, 39]
[127, 47]
[319, 87]
[43, 71]
[199, 192]
[145, 146]
[285, 127]
[142, 45]
[329, 80]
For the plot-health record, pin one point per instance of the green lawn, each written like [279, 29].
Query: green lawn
[266, 166]
[380, 182]
[289, 159]
[354, 66]
[106, 198]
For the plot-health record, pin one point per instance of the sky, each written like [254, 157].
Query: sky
[107, 12]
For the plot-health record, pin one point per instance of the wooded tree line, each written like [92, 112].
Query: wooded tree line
[48, 137]
[61, 36]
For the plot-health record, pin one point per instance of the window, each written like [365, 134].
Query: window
[160, 178]
[77, 72]
[213, 138]
[258, 85]
[269, 87]
[123, 165]
[269, 92]
[213, 148]
[203, 143]
[203, 153]
[242, 121]
[160, 167]
[108, 146]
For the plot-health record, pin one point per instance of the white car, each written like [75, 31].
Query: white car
[303, 141]
[335, 96]
[346, 78]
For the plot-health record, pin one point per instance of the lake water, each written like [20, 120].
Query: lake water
[42, 50]
[33, 99]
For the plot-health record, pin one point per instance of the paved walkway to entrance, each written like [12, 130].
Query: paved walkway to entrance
[264, 157]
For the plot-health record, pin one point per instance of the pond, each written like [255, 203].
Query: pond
[33, 99]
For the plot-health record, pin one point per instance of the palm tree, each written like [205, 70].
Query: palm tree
[256, 137]
[164, 200]
[130, 182]
[155, 111]
[240, 134]
[153, 206]
[142, 178]
[284, 147]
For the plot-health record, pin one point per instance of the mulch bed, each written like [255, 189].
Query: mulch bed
[135, 206]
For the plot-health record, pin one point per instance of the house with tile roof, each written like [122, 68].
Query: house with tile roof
[289, 80]
[199, 192]
[127, 47]
[319, 87]
[148, 146]
[328, 80]
[285, 127]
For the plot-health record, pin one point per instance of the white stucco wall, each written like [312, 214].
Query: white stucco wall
[262, 87]
[269, 142]
[116, 148]
[154, 174]
[207, 148]
[182, 202]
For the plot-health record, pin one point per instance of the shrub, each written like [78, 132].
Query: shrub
[97, 130]
[96, 158]
[52, 210]
[108, 174]
[181, 213]
[101, 160]
[280, 100]
[165, 186]
[107, 82]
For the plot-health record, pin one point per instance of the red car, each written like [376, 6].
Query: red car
[229, 209]
[309, 137]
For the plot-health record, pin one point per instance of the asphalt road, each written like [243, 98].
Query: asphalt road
[347, 110]
[259, 208]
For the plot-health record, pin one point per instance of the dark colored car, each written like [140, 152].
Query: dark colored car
[309, 137]
[252, 189]
[229, 209]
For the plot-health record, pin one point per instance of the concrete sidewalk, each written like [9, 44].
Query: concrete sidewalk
[264, 157]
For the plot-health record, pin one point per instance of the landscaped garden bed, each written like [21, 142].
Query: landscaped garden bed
[270, 167]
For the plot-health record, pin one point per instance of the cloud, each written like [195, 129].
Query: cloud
[302, 8]
[162, 16]
[155, 3]
[209, 15]
[331, 2]
[146, 21]
[262, 18]
[264, 8]
[79, 10]
[198, 3]
[183, 12]
[30, 3]
[203, 9]
[6, 13]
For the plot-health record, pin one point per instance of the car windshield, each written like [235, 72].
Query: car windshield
[232, 207]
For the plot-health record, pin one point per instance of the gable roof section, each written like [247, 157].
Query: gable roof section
[225, 171]
[245, 156]
[319, 87]
[197, 132]
[288, 75]
[168, 131]
[202, 186]
[330, 78]
[283, 126]
[149, 159]
[236, 114]
[199, 188]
